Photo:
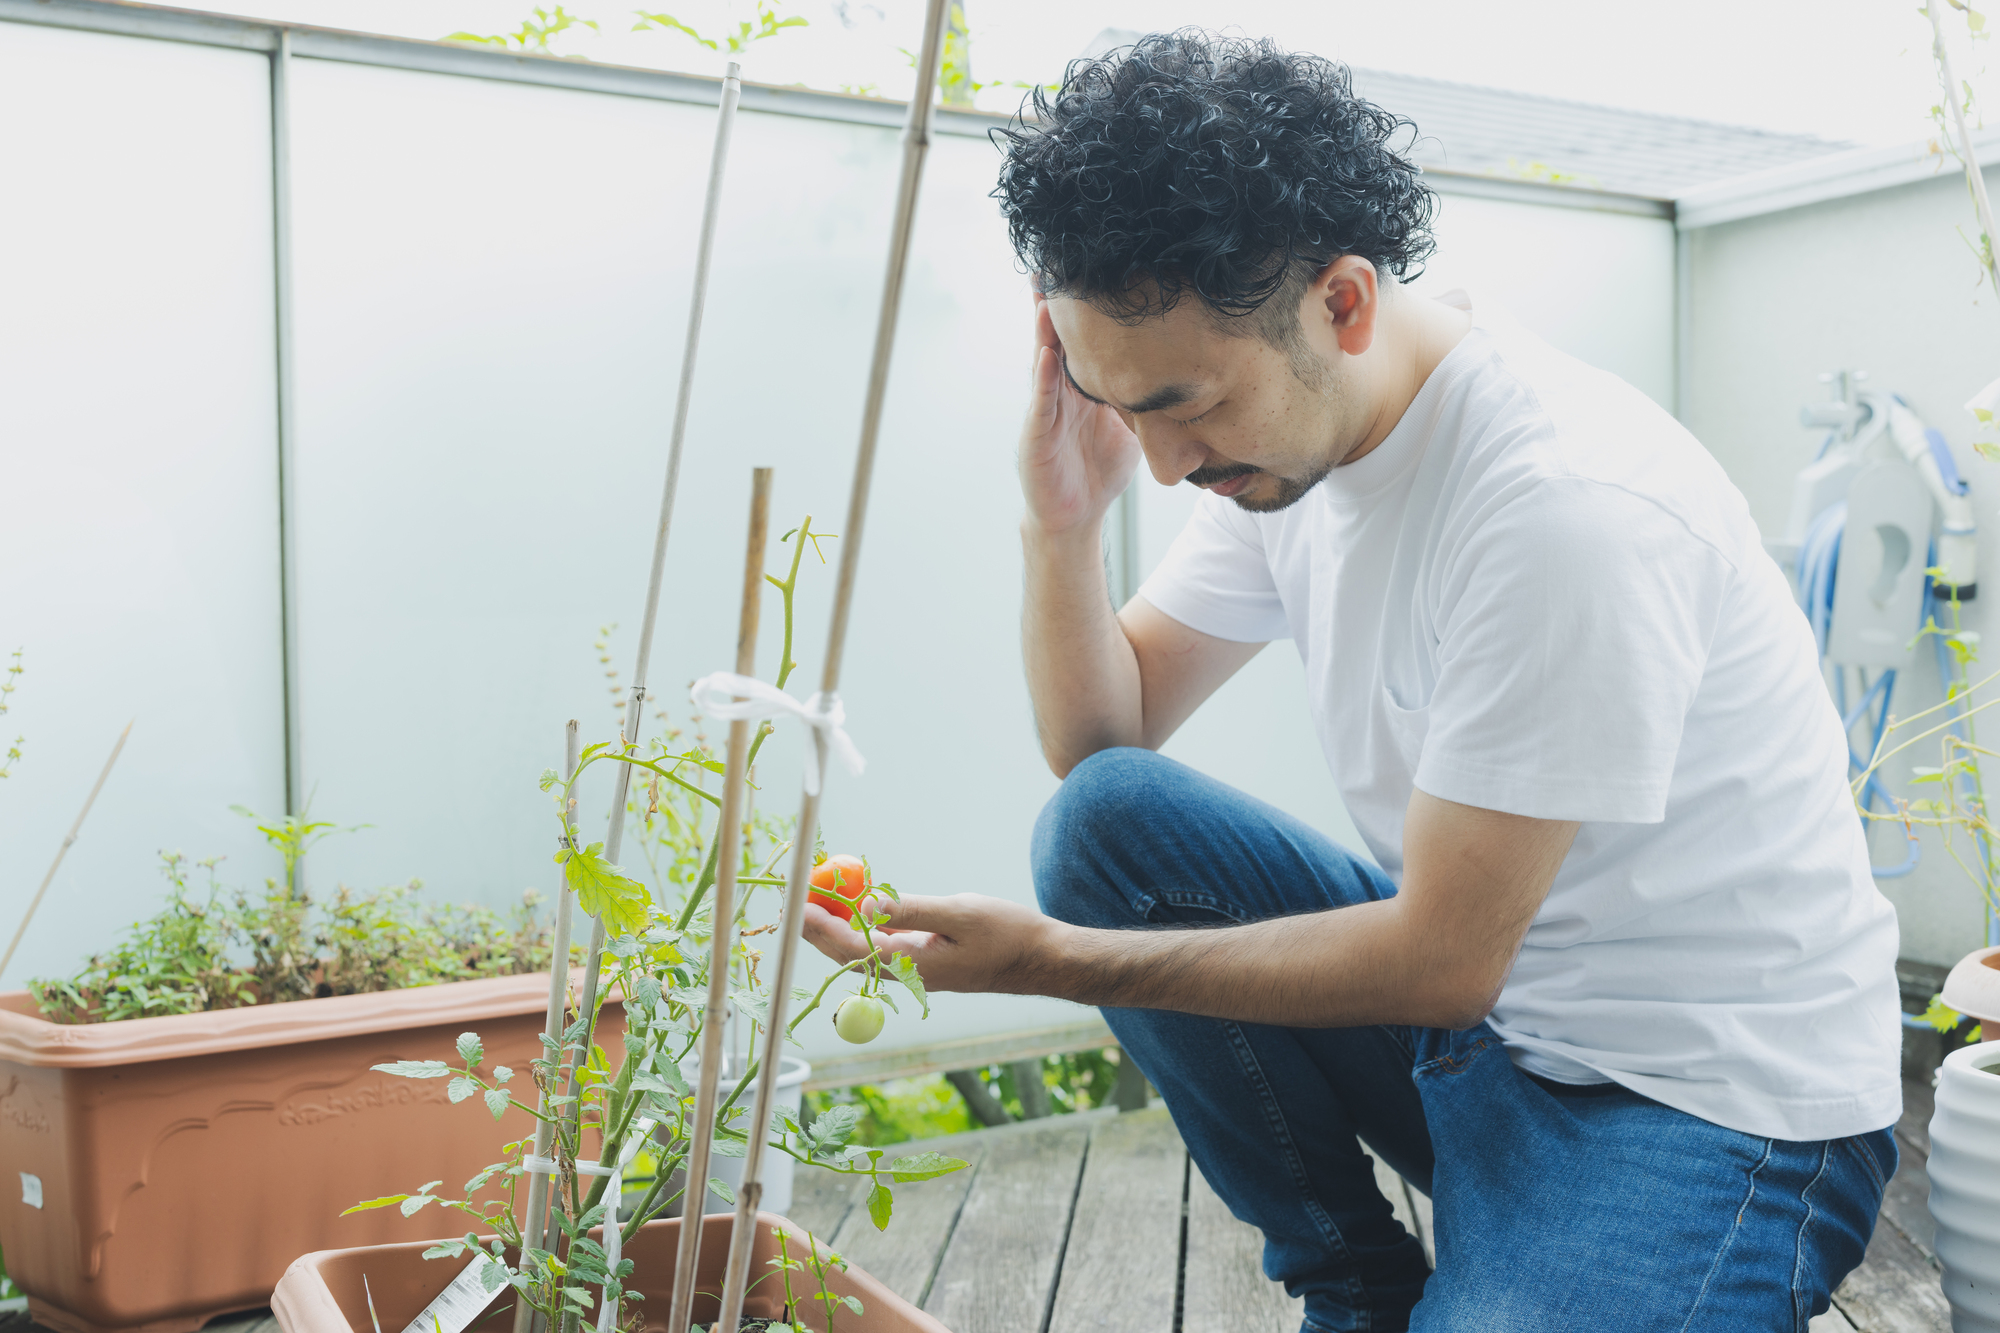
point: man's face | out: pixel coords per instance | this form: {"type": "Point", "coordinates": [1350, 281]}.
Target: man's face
{"type": "Point", "coordinates": [1229, 413]}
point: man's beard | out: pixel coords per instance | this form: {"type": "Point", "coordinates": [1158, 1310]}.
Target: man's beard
{"type": "Point", "coordinates": [1290, 490]}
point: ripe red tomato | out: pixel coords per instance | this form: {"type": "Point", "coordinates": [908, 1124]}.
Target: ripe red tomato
{"type": "Point", "coordinates": [838, 883]}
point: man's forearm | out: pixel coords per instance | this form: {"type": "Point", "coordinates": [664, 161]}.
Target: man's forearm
{"type": "Point", "coordinates": [1082, 673]}
{"type": "Point", "coordinates": [1343, 968]}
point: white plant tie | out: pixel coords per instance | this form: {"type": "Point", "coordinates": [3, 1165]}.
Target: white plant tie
{"type": "Point", "coordinates": [731, 698]}
{"type": "Point", "coordinates": [614, 1194]}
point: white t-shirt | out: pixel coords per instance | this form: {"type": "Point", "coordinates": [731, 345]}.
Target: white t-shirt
{"type": "Point", "coordinates": [1541, 595]}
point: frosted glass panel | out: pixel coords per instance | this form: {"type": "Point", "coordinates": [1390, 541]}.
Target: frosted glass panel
{"type": "Point", "coordinates": [492, 284]}
{"type": "Point", "coordinates": [1599, 286]}
{"type": "Point", "coordinates": [138, 550]}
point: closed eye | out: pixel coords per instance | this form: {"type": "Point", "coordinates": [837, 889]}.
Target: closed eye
{"type": "Point", "coordinates": [1192, 420]}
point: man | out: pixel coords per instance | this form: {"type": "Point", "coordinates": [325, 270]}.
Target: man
{"type": "Point", "coordinates": [1617, 989]}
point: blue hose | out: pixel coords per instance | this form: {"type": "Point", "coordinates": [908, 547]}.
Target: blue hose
{"type": "Point", "coordinates": [1819, 563]}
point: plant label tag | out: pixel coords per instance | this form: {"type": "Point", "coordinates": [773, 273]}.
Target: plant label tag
{"type": "Point", "coordinates": [31, 1190]}
{"type": "Point", "coordinates": [460, 1303]}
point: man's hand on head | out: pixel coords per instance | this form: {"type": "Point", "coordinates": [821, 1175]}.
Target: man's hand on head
{"type": "Point", "coordinates": [966, 942]}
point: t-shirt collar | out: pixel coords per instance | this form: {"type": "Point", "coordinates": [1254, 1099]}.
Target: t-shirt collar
{"type": "Point", "coordinates": [1407, 439]}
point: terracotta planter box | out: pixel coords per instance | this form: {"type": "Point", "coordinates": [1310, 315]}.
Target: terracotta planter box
{"type": "Point", "coordinates": [322, 1293]}
{"type": "Point", "coordinates": [171, 1168]}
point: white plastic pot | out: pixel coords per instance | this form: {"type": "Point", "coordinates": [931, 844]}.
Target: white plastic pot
{"type": "Point", "coordinates": [777, 1170]}
{"type": "Point", "coordinates": [1964, 1163]}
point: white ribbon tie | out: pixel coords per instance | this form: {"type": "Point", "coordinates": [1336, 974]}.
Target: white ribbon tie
{"type": "Point", "coordinates": [733, 698]}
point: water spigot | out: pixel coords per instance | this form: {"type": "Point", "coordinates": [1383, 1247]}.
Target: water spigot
{"type": "Point", "coordinates": [1844, 413]}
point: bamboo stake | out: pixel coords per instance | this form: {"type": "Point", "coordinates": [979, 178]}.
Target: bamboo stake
{"type": "Point", "coordinates": [614, 836]}
{"type": "Point", "coordinates": [63, 850]}
{"type": "Point", "coordinates": [723, 912]}
{"type": "Point", "coordinates": [525, 1319]}
{"type": "Point", "coordinates": [916, 141]}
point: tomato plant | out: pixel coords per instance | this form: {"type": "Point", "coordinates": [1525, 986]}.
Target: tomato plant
{"type": "Point", "coordinates": [656, 958]}
{"type": "Point", "coordinates": [858, 1019]}
{"type": "Point", "coordinates": [838, 882]}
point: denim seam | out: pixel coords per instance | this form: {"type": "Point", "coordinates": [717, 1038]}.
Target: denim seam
{"type": "Point", "coordinates": [1274, 1116]}
{"type": "Point", "coordinates": [1450, 1063]}
{"type": "Point", "coordinates": [1801, 1302]}
{"type": "Point", "coordinates": [1730, 1239]}
{"type": "Point", "coordinates": [1207, 902]}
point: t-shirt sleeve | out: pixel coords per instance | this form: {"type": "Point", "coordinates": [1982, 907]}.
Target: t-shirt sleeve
{"type": "Point", "coordinates": [1215, 577]}
{"type": "Point", "coordinates": [1574, 627]}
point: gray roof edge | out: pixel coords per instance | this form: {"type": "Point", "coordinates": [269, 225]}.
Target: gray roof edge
{"type": "Point", "coordinates": [1820, 180]}
{"type": "Point", "coordinates": [1785, 137]}
{"type": "Point", "coordinates": [198, 27]}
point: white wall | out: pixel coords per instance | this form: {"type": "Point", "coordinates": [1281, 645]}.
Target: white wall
{"type": "Point", "coordinates": [138, 520]}
{"type": "Point", "coordinates": [491, 285]}
{"type": "Point", "coordinates": [1879, 282]}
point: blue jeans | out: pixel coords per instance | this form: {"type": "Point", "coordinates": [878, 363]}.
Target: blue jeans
{"type": "Point", "coordinates": [1586, 1209]}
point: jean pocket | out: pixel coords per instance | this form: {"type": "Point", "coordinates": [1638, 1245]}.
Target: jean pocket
{"type": "Point", "coordinates": [1877, 1153]}
{"type": "Point", "coordinates": [1444, 1052]}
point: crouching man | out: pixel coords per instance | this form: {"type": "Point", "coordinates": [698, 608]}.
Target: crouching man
{"type": "Point", "coordinates": [1617, 988]}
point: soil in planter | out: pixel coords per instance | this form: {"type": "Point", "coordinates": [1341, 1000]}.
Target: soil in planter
{"type": "Point", "coordinates": [190, 957]}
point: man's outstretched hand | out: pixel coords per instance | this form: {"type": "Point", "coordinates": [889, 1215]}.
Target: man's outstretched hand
{"type": "Point", "coordinates": [967, 942]}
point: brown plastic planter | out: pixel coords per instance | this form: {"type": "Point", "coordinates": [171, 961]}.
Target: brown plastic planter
{"type": "Point", "coordinates": [182, 1163]}
{"type": "Point", "coordinates": [322, 1293]}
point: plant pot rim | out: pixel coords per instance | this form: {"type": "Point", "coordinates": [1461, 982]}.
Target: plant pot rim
{"type": "Point", "coordinates": [304, 1303]}
{"type": "Point", "coordinates": [1973, 985]}
{"type": "Point", "coordinates": [1979, 1060]}
{"type": "Point", "coordinates": [26, 1038]}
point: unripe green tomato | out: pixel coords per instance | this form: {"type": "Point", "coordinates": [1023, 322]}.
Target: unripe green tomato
{"type": "Point", "coordinates": [858, 1019]}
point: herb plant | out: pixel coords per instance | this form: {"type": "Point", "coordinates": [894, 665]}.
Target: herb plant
{"type": "Point", "coordinates": [655, 958]}
{"type": "Point", "coordinates": [1956, 807]}
{"type": "Point", "coordinates": [212, 948]}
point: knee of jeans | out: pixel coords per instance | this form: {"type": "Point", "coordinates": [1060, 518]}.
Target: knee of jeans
{"type": "Point", "coordinates": [1085, 817]}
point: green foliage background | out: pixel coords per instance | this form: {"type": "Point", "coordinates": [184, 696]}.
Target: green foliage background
{"type": "Point", "coordinates": [907, 1109]}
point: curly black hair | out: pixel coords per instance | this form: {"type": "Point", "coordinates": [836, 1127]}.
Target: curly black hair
{"type": "Point", "coordinates": [1190, 162]}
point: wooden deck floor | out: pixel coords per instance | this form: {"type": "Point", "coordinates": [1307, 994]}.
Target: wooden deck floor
{"type": "Point", "coordinates": [1095, 1223]}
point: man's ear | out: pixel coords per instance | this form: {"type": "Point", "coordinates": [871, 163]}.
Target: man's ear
{"type": "Point", "coordinates": [1348, 292]}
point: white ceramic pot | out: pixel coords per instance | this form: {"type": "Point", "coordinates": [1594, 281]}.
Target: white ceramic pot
{"type": "Point", "coordinates": [777, 1167]}
{"type": "Point", "coordinates": [1973, 988]}
{"type": "Point", "coordinates": [1965, 1184]}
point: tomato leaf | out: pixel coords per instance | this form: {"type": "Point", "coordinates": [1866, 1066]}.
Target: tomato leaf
{"type": "Point", "coordinates": [382, 1202]}
{"type": "Point", "coordinates": [497, 1101]}
{"type": "Point", "coordinates": [469, 1049]}
{"type": "Point", "coordinates": [925, 1166]}
{"type": "Point", "coordinates": [416, 1069]}
{"type": "Point", "coordinates": [905, 971]}
{"type": "Point", "coordinates": [880, 1202]}
{"type": "Point", "coordinates": [604, 890]}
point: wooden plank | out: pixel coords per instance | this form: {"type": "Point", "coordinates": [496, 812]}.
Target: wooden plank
{"type": "Point", "coordinates": [1000, 1265]}
{"type": "Point", "coordinates": [905, 1255]}
{"type": "Point", "coordinates": [1394, 1190]}
{"type": "Point", "coordinates": [1119, 1271]}
{"type": "Point", "coordinates": [821, 1200]}
{"type": "Point", "coordinates": [1420, 1204]}
{"type": "Point", "coordinates": [1896, 1290]}
{"type": "Point", "coordinates": [249, 1321]}
{"type": "Point", "coordinates": [1833, 1321]}
{"type": "Point", "coordinates": [1914, 1128]}
{"type": "Point", "coordinates": [1226, 1290]}
{"type": "Point", "coordinates": [1906, 1204]}
{"type": "Point", "coordinates": [964, 1053]}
